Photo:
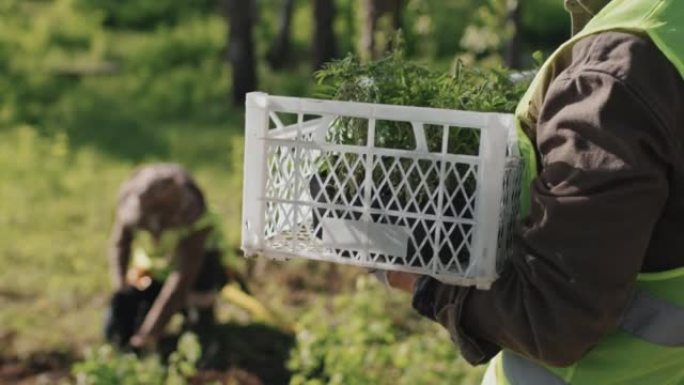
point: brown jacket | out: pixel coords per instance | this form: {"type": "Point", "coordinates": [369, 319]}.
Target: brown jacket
{"type": "Point", "coordinates": [155, 198]}
{"type": "Point", "coordinates": [608, 203]}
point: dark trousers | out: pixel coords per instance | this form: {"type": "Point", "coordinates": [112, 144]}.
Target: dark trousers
{"type": "Point", "coordinates": [129, 306]}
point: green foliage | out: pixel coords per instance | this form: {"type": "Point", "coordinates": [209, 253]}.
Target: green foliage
{"type": "Point", "coordinates": [176, 72]}
{"type": "Point", "coordinates": [545, 24]}
{"type": "Point", "coordinates": [136, 14]}
{"type": "Point", "coordinates": [371, 336]}
{"type": "Point", "coordinates": [56, 212]}
{"type": "Point", "coordinates": [182, 362]}
{"type": "Point", "coordinates": [104, 366]}
{"type": "Point", "coordinates": [489, 29]}
{"type": "Point", "coordinates": [34, 46]}
{"type": "Point", "coordinates": [395, 80]}
{"type": "Point", "coordinates": [433, 28]}
{"type": "Point", "coordinates": [50, 52]}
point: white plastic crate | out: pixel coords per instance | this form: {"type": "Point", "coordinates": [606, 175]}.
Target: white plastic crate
{"type": "Point", "coordinates": [323, 181]}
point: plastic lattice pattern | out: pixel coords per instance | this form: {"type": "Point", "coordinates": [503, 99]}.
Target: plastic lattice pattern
{"type": "Point", "coordinates": [413, 189]}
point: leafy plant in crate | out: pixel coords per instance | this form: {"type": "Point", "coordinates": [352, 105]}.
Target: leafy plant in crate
{"type": "Point", "coordinates": [403, 184]}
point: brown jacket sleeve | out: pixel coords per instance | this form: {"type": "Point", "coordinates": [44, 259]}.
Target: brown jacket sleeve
{"type": "Point", "coordinates": [606, 151]}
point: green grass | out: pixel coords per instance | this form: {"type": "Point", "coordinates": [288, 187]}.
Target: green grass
{"type": "Point", "coordinates": [56, 206]}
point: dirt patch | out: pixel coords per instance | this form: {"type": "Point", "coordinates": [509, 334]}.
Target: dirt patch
{"type": "Point", "coordinates": [246, 354]}
{"type": "Point", "coordinates": [229, 377]}
{"type": "Point", "coordinates": [251, 354]}
{"type": "Point", "coordinates": [52, 366]}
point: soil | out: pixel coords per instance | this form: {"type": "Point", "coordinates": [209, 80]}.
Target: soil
{"type": "Point", "coordinates": [245, 354]}
{"type": "Point", "coordinates": [252, 354]}
{"type": "Point", "coordinates": [39, 367]}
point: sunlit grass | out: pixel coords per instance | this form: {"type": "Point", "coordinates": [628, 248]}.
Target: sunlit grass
{"type": "Point", "coordinates": [56, 207]}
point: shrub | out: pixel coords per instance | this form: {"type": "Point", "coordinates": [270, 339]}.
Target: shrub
{"type": "Point", "coordinates": [394, 80]}
{"type": "Point", "coordinates": [35, 45]}
{"type": "Point", "coordinates": [104, 366]}
{"type": "Point", "coordinates": [371, 336]}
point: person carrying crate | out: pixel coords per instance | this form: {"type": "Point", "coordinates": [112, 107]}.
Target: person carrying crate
{"type": "Point", "coordinates": [594, 293]}
{"type": "Point", "coordinates": [166, 256]}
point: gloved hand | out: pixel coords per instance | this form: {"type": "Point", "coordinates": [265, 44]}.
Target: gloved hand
{"type": "Point", "coordinates": [138, 278]}
{"type": "Point", "coordinates": [396, 279]}
{"type": "Point", "coordinates": [142, 341]}
{"type": "Point", "coordinates": [402, 280]}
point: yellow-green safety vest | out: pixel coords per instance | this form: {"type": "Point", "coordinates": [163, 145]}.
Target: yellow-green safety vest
{"type": "Point", "coordinates": [157, 257]}
{"type": "Point", "coordinates": [647, 348]}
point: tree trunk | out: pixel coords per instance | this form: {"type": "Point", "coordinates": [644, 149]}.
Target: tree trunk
{"type": "Point", "coordinates": [397, 21]}
{"type": "Point", "coordinates": [279, 54]}
{"type": "Point", "coordinates": [373, 10]}
{"type": "Point", "coordinates": [324, 42]}
{"type": "Point", "coordinates": [370, 22]}
{"type": "Point", "coordinates": [513, 46]}
{"type": "Point", "coordinates": [241, 14]}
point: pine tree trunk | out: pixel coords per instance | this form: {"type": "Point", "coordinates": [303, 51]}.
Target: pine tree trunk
{"type": "Point", "coordinates": [241, 14]}
{"type": "Point", "coordinates": [370, 22]}
{"type": "Point", "coordinates": [373, 10]}
{"type": "Point", "coordinates": [513, 46]}
{"type": "Point", "coordinates": [279, 54]}
{"type": "Point", "coordinates": [397, 21]}
{"type": "Point", "coordinates": [324, 41]}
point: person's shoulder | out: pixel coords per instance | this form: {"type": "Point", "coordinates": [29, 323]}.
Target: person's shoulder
{"type": "Point", "coordinates": [633, 60]}
{"type": "Point", "coordinates": [155, 176]}
{"type": "Point", "coordinates": [160, 186]}
{"type": "Point", "coordinates": [628, 56]}
{"type": "Point", "coordinates": [150, 173]}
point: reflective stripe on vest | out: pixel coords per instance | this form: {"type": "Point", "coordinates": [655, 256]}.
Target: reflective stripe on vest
{"type": "Point", "coordinates": [522, 371]}
{"type": "Point", "coordinates": [651, 319]}
{"type": "Point", "coordinates": [654, 320]}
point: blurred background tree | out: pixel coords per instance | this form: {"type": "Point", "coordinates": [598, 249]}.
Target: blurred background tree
{"type": "Point", "coordinates": [324, 46]}
{"type": "Point", "coordinates": [279, 52]}
{"type": "Point", "coordinates": [91, 88]}
{"type": "Point", "coordinates": [241, 47]}
{"type": "Point", "coordinates": [375, 12]}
